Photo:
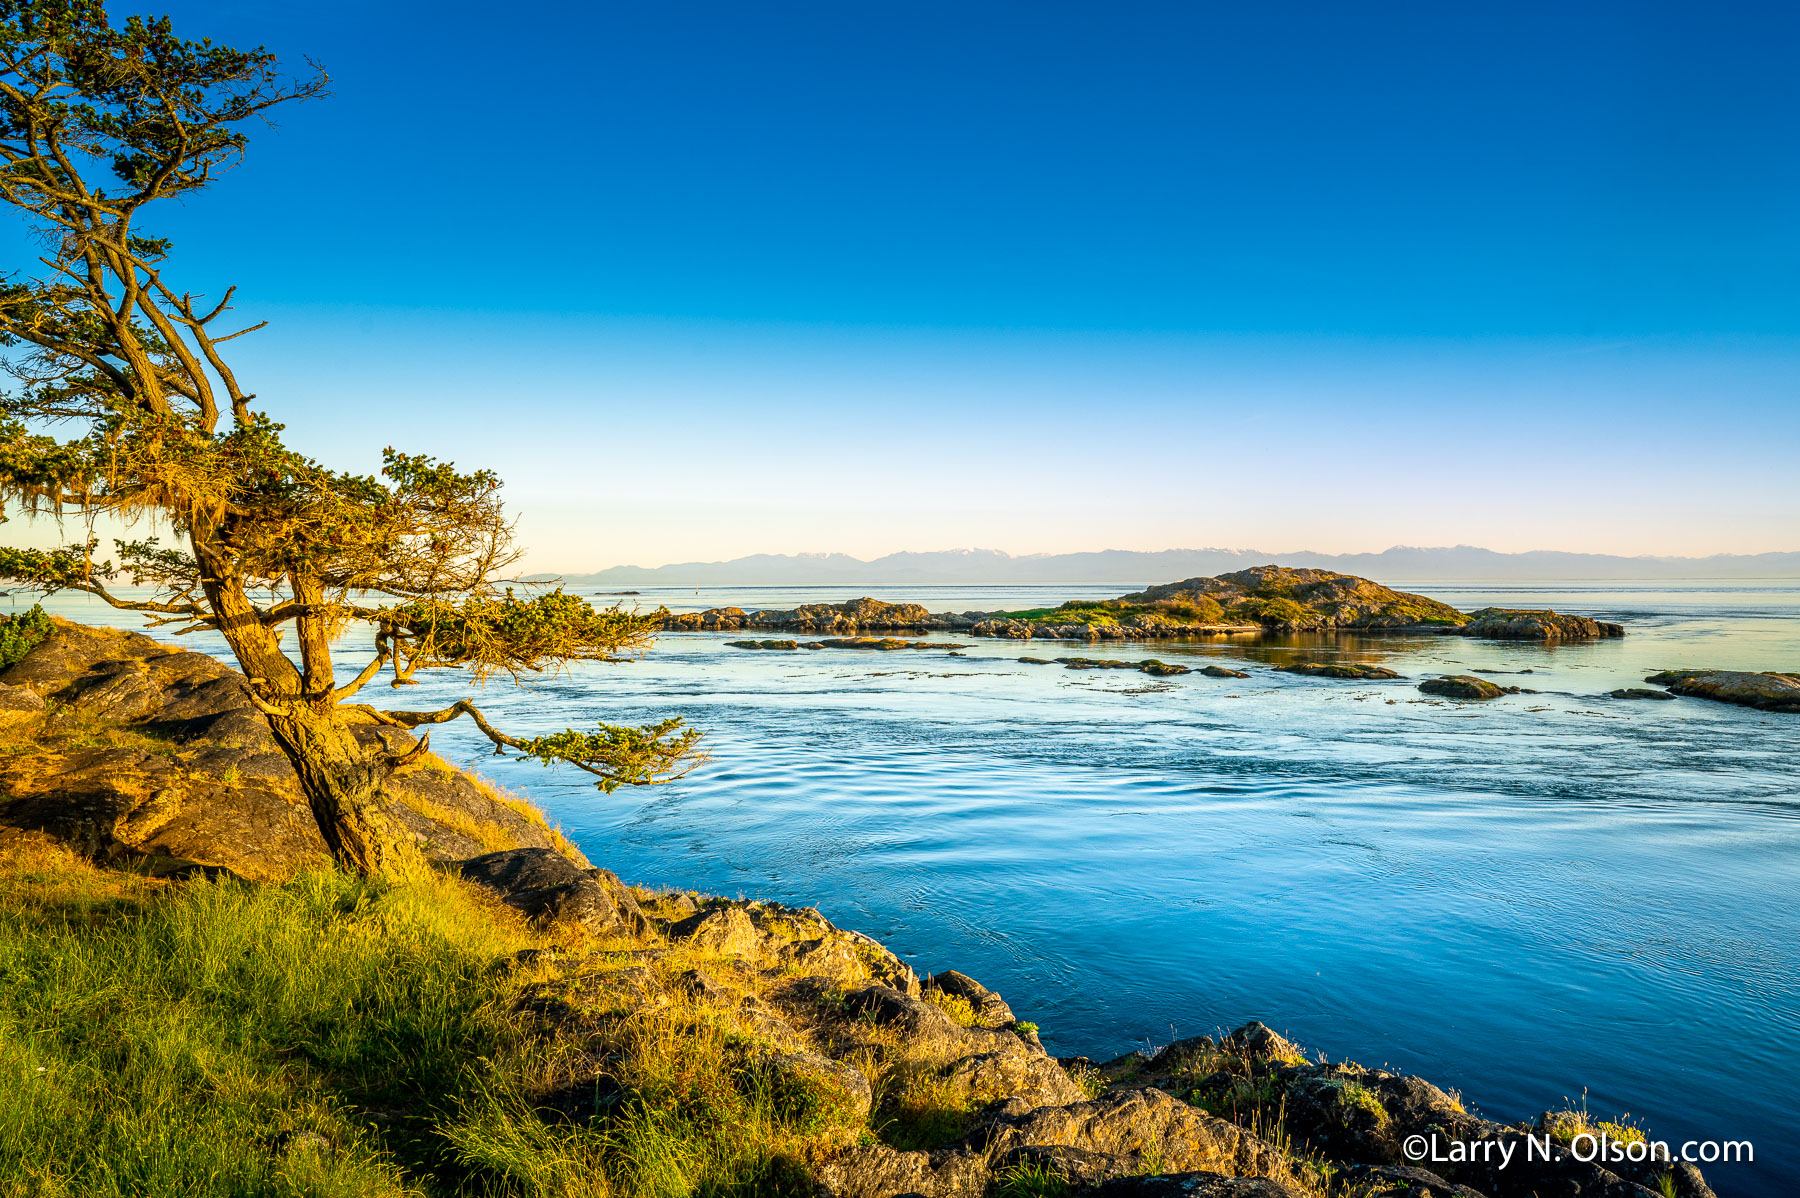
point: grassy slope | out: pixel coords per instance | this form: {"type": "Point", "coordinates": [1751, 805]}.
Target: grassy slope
{"type": "Point", "coordinates": [327, 1036]}
{"type": "Point", "coordinates": [161, 1037]}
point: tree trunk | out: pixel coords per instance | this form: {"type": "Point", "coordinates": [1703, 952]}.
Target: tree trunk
{"type": "Point", "coordinates": [342, 782]}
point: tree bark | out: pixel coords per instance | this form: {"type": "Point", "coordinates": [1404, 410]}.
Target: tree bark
{"type": "Point", "coordinates": [342, 782]}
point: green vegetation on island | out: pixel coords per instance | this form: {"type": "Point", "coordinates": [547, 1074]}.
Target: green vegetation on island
{"type": "Point", "coordinates": [1269, 597]}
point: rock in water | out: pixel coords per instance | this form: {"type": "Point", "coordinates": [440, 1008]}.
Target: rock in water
{"type": "Point", "coordinates": [1320, 669]}
{"type": "Point", "coordinates": [1639, 692]}
{"type": "Point", "coordinates": [1149, 666]}
{"type": "Point", "coordinates": [1512, 624]}
{"type": "Point", "coordinates": [1461, 686]}
{"type": "Point", "coordinates": [1768, 692]}
{"type": "Point", "coordinates": [1223, 672]}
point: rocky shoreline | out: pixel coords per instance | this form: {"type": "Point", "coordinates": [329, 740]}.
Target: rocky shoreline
{"type": "Point", "coordinates": [1194, 1117]}
{"type": "Point", "coordinates": [1267, 599]}
{"type": "Point", "coordinates": [132, 752]}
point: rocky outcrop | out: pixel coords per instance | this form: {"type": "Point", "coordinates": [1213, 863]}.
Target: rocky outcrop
{"type": "Point", "coordinates": [1766, 692]}
{"type": "Point", "coordinates": [1510, 624]}
{"type": "Point", "coordinates": [127, 748]}
{"type": "Point", "coordinates": [1339, 669]}
{"type": "Point", "coordinates": [1282, 599]}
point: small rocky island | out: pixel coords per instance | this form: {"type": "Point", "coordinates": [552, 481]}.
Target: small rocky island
{"type": "Point", "coordinates": [1265, 599]}
{"type": "Point", "coordinates": [880, 1083]}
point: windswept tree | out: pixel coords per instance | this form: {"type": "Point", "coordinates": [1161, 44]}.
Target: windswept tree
{"type": "Point", "coordinates": [126, 406]}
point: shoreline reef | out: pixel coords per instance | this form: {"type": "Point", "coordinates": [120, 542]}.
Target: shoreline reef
{"type": "Point", "coordinates": [1258, 601]}
{"type": "Point", "coordinates": [180, 968]}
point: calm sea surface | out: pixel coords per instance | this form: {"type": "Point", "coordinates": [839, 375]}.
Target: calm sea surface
{"type": "Point", "coordinates": [1539, 900]}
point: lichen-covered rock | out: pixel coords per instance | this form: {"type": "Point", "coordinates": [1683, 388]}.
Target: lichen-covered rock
{"type": "Point", "coordinates": [1767, 692]}
{"type": "Point", "coordinates": [1461, 686]}
{"type": "Point", "coordinates": [987, 1077]}
{"type": "Point", "coordinates": [823, 957]}
{"type": "Point", "coordinates": [1512, 624]}
{"type": "Point", "coordinates": [1152, 1132]}
{"type": "Point", "coordinates": [725, 930]}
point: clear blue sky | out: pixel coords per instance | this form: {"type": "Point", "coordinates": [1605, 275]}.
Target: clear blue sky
{"type": "Point", "coordinates": [785, 277]}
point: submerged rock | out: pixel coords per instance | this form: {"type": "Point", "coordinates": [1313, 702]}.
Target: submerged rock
{"type": "Point", "coordinates": [1639, 692]}
{"type": "Point", "coordinates": [782, 645]}
{"type": "Point", "coordinates": [885, 643]}
{"type": "Point", "coordinates": [1463, 686]}
{"type": "Point", "coordinates": [1513, 624]}
{"type": "Point", "coordinates": [1321, 669]}
{"type": "Point", "coordinates": [1768, 692]}
{"type": "Point", "coordinates": [1223, 672]}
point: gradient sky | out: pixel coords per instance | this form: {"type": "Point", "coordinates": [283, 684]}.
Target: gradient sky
{"type": "Point", "coordinates": [711, 279]}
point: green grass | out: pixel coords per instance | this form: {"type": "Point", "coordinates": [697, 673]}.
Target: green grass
{"type": "Point", "coordinates": [329, 1036]}
{"type": "Point", "coordinates": [1354, 1096]}
{"type": "Point", "coordinates": [160, 1040]}
{"type": "Point", "coordinates": [1031, 1181]}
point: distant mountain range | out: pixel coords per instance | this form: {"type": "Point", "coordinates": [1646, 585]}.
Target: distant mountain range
{"type": "Point", "coordinates": [1130, 569]}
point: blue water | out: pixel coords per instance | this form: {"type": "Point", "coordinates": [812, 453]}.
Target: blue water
{"type": "Point", "coordinates": [1548, 898]}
